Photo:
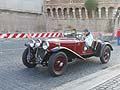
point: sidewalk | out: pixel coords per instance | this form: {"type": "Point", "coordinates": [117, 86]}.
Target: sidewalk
{"type": "Point", "coordinates": [108, 79]}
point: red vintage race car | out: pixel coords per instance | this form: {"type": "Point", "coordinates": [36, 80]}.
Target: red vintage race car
{"type": "Point", "coordinates": [56, 53]}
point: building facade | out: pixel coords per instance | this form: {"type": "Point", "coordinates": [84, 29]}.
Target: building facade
{"type": "Point", "coordinates": [65, 14]}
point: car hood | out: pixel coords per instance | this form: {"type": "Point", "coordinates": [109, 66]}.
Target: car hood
{"type": "Point", "coordinates": [61, 40]}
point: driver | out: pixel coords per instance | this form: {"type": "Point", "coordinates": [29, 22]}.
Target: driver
{"type": "Point", "coordinates": [88, 37]}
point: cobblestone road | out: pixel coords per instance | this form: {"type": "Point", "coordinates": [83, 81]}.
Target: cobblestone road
{"type": "Point", "coordinates": [15, 76]}
{"type": "Point", "coordinates": [112, 84]}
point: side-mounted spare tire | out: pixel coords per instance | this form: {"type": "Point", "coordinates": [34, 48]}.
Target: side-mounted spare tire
{"type": "Point", "coordinates": [57, 63]}
{"type": "Point", "coordinates": [24, 60]}
{"type": "Point", "coordinates": [105, 54]}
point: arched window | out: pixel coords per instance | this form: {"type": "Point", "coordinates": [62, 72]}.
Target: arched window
{"type": "Point", "coordinates": [48, 12]}
{"type": "Point", "coordinates": [83, 13]}
{"type": "Point", "coordinates": [71, 13]}
{"type": "Point", "coordinates": [65, 13]}
{"type": "Point", "coordinates": [89, 14]}
{"type": "Point", "coordinates": [110, 12]}
{"type": "Point", "coordinates": [96, 13]}
{"type": "Point", "coordinates": [54, 12]}
{"type": "Point", "coordinates": [119, 9]}
{"type": "Point", "coordinates": [103, 12]}
{"type": "Point", "coordinates": [59, 12]}
{"type": "Point", "coordinates": [77, 14]}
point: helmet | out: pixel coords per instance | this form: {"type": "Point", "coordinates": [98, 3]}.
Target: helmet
{"type": "Point", "coordinates": [86, 30]}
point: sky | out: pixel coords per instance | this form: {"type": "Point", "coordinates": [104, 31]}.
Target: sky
{"type": "Point", "coordinates": [22, 5]}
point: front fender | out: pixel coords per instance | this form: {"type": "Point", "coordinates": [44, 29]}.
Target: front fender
{"type": "Point", "coordinates": [107, 43]}
{"type": "Point", "coordinates": [104, 45]}
{"type": "Point", "coordinates": [100, 47]}
{"type": "Point", "coordinates": [56, 49]}
{"type": "Point", "coordinates": [67, 51]}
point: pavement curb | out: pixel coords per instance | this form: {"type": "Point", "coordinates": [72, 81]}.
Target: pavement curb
{"type": "Point", "coordinates": [91, 81]}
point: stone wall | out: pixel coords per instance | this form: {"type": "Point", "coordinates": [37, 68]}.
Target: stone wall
{"type": "Point", "coordinates": [34, 6]}
{"type": "Point", "coordinates": [73, 13]}
{"type": "Point", "coordinates": [93, 25]}
{"type": "Point", "coordinates": [60, 15]}
{"type": "Point", "coordinates": [14, 21]}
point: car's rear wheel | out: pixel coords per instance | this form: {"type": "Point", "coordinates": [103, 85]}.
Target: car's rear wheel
{"type": "Point", "coordinates": [105, 56]}
{"type": "Point", "coordinates": [57, 63]}
{"type": "Point", "coordinates": [31, 64]}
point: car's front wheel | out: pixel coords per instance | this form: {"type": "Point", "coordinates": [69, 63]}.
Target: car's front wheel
{"type": "Point", "coordinates": [57, 63]}
{"type": "Point", "coordinates": [105, 56]}
{"type": "Point", "coordinates": [25, 61]}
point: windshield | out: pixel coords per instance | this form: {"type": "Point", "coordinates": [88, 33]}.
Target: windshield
{"type": "Point", "coordinates": [73, 34]}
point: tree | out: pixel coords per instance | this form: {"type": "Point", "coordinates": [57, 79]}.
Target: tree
{"type": "Point", "coordinates": [91, 5]}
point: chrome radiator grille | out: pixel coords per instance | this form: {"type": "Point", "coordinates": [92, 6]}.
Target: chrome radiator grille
{"type": "Point", "coordinates": [40, 52]}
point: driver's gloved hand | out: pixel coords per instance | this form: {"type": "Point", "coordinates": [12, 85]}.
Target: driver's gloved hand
{"type": "Point", "coordinates": [85, 48]}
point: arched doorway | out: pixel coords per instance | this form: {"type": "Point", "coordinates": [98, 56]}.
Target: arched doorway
{"type": "Point", "coordinates": [103, 12]}
{"type": "Point", "coordinates": [96, 13]}
{"type": "Point", "coordinates": [48, 12]}
{"type": "Point", "coordinates": [110, 12]}
{"type": "Point", "coordinates": [83, 13]}
{"type": "Point", "coordinates": [77, 14]}
{"type": "Point", "coordinates": [54, 13]}
{"type": "Point", "coordinates": [65, 13]}
{"type": "Point", "coordinates": [59, 12]}
{"type": "Point", "coordinates": [71, 12]}
{"type": "Point", "coordinates": [90, 14]}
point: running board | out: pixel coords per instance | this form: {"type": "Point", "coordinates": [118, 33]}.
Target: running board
{"type": "Point", "coordinates": [59, 48]}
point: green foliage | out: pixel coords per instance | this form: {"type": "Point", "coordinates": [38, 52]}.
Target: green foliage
{"type": "Point", "coordinates": [91, 5]}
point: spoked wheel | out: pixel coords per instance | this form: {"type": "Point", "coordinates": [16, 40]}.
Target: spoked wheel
{"type": "Point", "coordinates": [28, 64]}
{"type": "Point", "coordinates": [57, 64]}
{"type": "Point", "coordinates": [106, 53]}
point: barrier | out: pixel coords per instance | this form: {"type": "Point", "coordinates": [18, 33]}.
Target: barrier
{"type": "Point", "coordinates": [96, 35]}
{"type": "Point", "coordinates": [31, 35]}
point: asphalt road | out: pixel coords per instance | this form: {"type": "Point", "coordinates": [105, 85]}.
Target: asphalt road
{"type": "Point", "coordinates": [15, 76]}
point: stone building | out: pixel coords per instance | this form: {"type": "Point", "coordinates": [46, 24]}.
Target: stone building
{"type": "Point", "coordinates": [21, 16]}
{"type": "Point", "coordinates": [65, 14]}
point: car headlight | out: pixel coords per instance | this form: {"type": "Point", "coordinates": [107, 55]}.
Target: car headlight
{"type": "Point", "coordinates": [45, 45]}
{"type": "Point", "coordinates": [38, 43]}
{"type": "Point", "coordinates": [30, 43]}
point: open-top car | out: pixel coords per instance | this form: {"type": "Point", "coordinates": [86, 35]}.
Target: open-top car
{"type": "Point", "coordinates": [56, 53]}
